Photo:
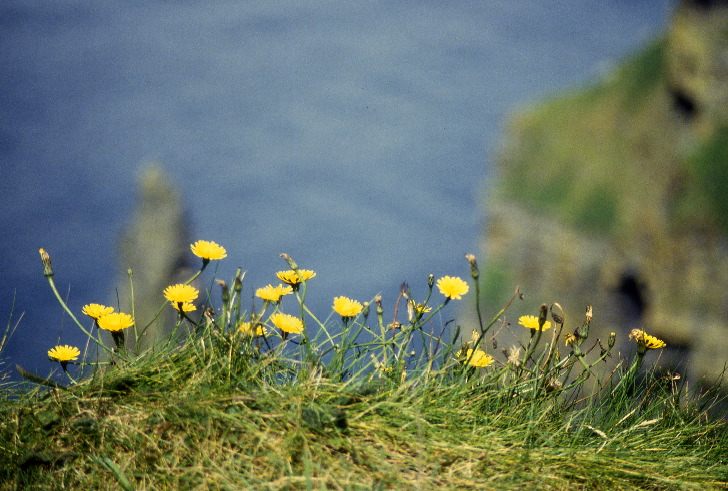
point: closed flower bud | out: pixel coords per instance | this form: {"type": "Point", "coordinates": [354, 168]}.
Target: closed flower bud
{"type": "Point", "coordinates": [612, 339]}
{"type": "Point", "coordinates": [474, 271]}
{"type": "Point", "coordinates": [542, 315]}
{"type": "Point", "coordinates": [46, 260]}
{"type": "Point", "coordinates": [557, 313]}
{"type": "Point", "coordinates": [291, 263]}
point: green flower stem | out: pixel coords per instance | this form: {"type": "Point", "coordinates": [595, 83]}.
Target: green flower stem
{"type": "Point", "coordinates": [133, 310]}
{"type": "Point", "coordinates": [98, 341]}
{"type": "Point", "coordinates": [491, 323]}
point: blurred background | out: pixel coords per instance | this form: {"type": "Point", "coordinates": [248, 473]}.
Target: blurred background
{"type": "Point", "coordinates": [360, 137]}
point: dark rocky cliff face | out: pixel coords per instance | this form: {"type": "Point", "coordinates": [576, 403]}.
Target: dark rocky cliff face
{"type": "Point", "coordinates": [617, 196]}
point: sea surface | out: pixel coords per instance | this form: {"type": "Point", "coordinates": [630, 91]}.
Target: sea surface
{"type": "Point", "coordinates": [358, 136]}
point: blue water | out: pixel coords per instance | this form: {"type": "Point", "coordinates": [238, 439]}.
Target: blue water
{"type": "Point", "coordinates": [356, 136]}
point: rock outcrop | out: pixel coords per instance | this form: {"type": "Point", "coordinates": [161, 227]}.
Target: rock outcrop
{"type": "Point", "coordinates": [155, 247]}
{"type": "Point", "coordinates": [617, 196]}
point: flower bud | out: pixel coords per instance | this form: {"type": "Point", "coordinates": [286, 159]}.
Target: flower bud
{"type": "Point", "coordinates": [430, 280]}
{"type": "Point", "coordinates": [542, 315]}
{"type": "Point", "coordinates": [238, 282]}
{"type": "Point", "coordinates": [46, 260]}
{"type": "Point", "coordinates": [291, 263]}
{"type": "Point", "coordinates": [612, 339]}
{"type": "Point", "coordinates": [557, 313]}
{"type": "Point", "coordinates": [474, 271]}
{"type": "Point", "coordinates": [225, 291]}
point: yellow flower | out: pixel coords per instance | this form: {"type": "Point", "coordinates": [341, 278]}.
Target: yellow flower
{"type": "Point", "coordinates": [287, 323]}
{"type": "Point", "coordinates": [96, 310]}
{"type": "Point", "coordinates": [181, 293]}
{"type": "Point", "coordinates": [570, 339]}
{"type": "Point", "coordinates": [246, 329]}
{"type": "Point", "coordinates": [452, 287]}
{"type": "Point", "coordinates": [272, 293]}
{"type": "Point", "coordinates": [531, 322]}
{"type": "Point", "coordinates": [645, 340]}
{"type": "Point", "coordinates": [186, 306]}
{"type": "Point", "coordinates": [116, 321]}
{"type": "Point", "coordinates": [479, 358]}
{"type": "Point", "coordinates": [346, 307]}
{"type": "Point", "coordinates": [64, 353]}
{"type": "Point", "coordinates": [208, 250]}
{"type": "Point", "coordinates": [421, 308]}
{"type": "Point", "coordinates": [292, 278]}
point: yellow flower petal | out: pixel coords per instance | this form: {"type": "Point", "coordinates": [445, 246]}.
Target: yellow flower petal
{"type": "Point", "coordinates": [272, 293]}
{"type": "Point", "coordinates": [346, 307]}
{"type": "Point", "coordinates": [246, 328]}
{"type": "Point", "coordinates": [292, 278]}
{"type": "Point", "coordinates": [646, 340]}
{"type": "Point", "coordinates": [287, 323]}
{"type": "Point", "coordinates": [479, 358]}
{"type": "Point", "coordinates": [64, 353]}
{"type": "Point", "coordinates": [186, 306]}
{"type": "Point", "coordinates": [209, 250]}
{"type": "Point", "coordinates": [181, 293]}
{"type": "Point", "coordinates": [96, 310]}
{"type": "Point", "coordinates": [452, 287]}
{"type": "Point", "coordinates": [531, 322]}
{"type": "Point", "coordinates": [116, 321]}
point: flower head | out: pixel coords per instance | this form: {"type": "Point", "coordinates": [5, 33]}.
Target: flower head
{"type": "Point", "coordinates": [478, 358]}
{"type": "Point", "coordinates": [293, 278]}
{"type": "Point", "coordinates": [346, 307]}
{"type": "Point", "coordinates": [246, 328]}
{"type": "Point", "coordinates": [531, 322]}
{"type": "Point", "coordinates": [115, 321]}
{"type": "Point", "coordinates": [646, 341]}
{"type": "Point", "coordinates": [272, 293]}
{"type": "Point", "coordinates": [181, 293]}
{"type": "Point", "coordinates": [422, 308]}
{"type": "Point", "coordinates": [208, 250]}
{"type": "Point", "coordinates": [287, 323]}
{"type": "Point", "coordinates": [452, 287]}
{"type": "Point", "coordinates": [186, 306]}
{"type": "Point", "coordinates": [63, 353]}
{"type": "Point", "coordinates": [96, 310]}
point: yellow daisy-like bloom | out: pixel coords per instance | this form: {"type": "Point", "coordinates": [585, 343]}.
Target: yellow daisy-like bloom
{"type": "Point", "coordinates": [186, 306]}
{"type": "Point", "coordinates": [208, 250]}
{"type": "Point", "coordinates": [645, 340]}
{"type": "Point", "coordinates": [421, 308]}
{"type": "Point", "coordinates": [478, 359]}
{"type": "Point", "coordinates": [531, 322]}
{"type": "Point", "coordinates": [181, 293]}
{"type": "Point", "coordinates": [346, 307]}
{"type": "Point", "coordinates": [452, 287]}
{"type": "Point", "coordinates": [272, 293]}
{"type": "Point", "coordinates": [116, 321]}
{"type": "Point", "coordinates": [96, 310]}
{"type": "Point", "coordinates": [287, 323]}
{"type": "Point", "coordinates": [246, 328]}
{"type": "Point", "coordinates": [292, 278]}
{"type": "Point", "coordinates": [64, 353]}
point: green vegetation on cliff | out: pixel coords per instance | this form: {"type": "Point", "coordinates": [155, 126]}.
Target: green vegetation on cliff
{"type": "Point", "coordinates": [267, 400]}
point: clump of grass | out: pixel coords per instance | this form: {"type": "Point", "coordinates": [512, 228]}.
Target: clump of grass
{"type": "Point", "coordinates": [279, 398]}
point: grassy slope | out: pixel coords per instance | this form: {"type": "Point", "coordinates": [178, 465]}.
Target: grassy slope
{"type": "Point", "coordinates": [192, 420]}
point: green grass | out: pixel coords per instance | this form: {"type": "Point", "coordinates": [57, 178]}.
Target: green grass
{"type": "Point", "coordinates": [358, 404]}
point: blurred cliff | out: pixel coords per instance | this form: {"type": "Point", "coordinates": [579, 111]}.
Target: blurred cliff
{"type": "Point", "coordinates": [155, 247]}
{"type": "Point", "coordinates": [617, 196]}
